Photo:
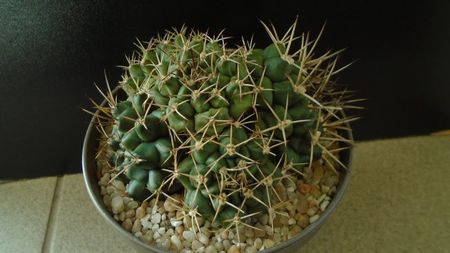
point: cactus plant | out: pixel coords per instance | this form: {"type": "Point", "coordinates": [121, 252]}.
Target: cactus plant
{"type": "Point", "coordinates": [223, 125]}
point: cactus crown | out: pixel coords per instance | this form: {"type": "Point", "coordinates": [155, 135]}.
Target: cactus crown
{"type": "Point", "coordinates": [225, 124]}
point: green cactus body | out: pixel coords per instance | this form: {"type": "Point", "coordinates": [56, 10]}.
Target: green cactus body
{"type": "Point", "coordinates": [226, 123]}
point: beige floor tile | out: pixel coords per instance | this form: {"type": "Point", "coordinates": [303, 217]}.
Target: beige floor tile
{"type": "Point", "coordinates": [24, 212]}
{"type": "Point", "coordinates": [77, 227]}
{"type": "Point", "coordinates": [397, 201]}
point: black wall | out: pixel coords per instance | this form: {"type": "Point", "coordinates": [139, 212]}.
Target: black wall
{"type": "Point", "coordinates": [53, 51]}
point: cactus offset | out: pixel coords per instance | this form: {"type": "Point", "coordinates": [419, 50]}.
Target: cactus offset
{"type": "Point", "coordinates": [223, 125]}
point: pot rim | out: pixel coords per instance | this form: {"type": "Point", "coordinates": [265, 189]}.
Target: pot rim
{"type": "Point", "coordinates": [90, 178]}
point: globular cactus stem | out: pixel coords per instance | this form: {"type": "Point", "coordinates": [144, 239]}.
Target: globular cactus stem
{"type": "Point", "coordinates": [223, 125]}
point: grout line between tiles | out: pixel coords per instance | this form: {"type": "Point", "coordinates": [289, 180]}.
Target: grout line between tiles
{"type": "Point", "coordinates": [49, 233]}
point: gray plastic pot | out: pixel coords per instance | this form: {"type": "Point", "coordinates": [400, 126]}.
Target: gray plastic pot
{"type": "Point", "coordinates": [91, 143]}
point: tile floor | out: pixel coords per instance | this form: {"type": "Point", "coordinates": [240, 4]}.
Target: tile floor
{"type": "Point", "coordinates": [397, 201]}
{"type": "Point", "coordinates": [24, 214]}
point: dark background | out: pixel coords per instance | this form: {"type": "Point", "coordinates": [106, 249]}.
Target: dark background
{"type": "Point", "coordinates": [53, 51]}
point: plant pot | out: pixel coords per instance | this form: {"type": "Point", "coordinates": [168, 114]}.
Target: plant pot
{"type": "Point", "coordinates": [91, 143]}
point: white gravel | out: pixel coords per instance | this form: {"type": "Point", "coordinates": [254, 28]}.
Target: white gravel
{"type": "Point", "coordinates": [164, 224]}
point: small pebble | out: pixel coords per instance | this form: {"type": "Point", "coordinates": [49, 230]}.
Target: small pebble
{"type": "Point", "coordinates": [321, 198]}
{"type": "Point", "coordinates": [230, 235]}
{"type": "Point", "coordinates": [250, 249]}
{"type": "Point", "coordinates": [107, 200]}
{"type": "Point", "coordinates": [284, 220]}
{"type": "Point", "coordinates": [276, 221]}
{"type": "Point", "coordinates": [187, 221]}
{"type": "Point", "coordinates": [176, 241]}
{"type": "Point", "coordinates": [315, 191]}
{"type": "Point", "coordinates": [218, 246]}
{"type": "Point", "coordinates": [312, 202]}
{"type": "Point", "coordinates": [179, 215]}
{"type": "Point", "coordinates": [210, 249]}
{"type": "Point", "coordinates": [115, 194]}
{"type": "Point", "coordinates": [260, 232]}
{"type": "Point", "coordinates": [302, 220]}
{"type": "Point", "coordinates": [332, 189]}
{"type": "Point", "coordinates": [110, 189]}
{"type": "Point", "coordinates": [165, 244]}
{"type": "Point", "coordinates": [241, 236]}
{"type": "Point", "coordinates": [249, 232]}
{"type": "Point", "coordinates": [127, 224]}
{"type": "Point", "coordinates": [204, 230]}
{"type": "Point", "coordinates": [169, 205]}
{"type": "Point", "coordinates": [324, 205]}
{"type": "Point", "coordinates": [313, 218]}
{"type": "Point", "coordinates": [147, 238]}
{"type": "Point", "coordinates": [200, 221]}
{"type": "Point", "coordinates": [289, 206]}
{"type": "Point", "coordinates": [137, 226]}
{"type": "Point", "coordinates": [103, 191]}
{"type": "Point", "coordinates": [258, 243]}
{"type": "Point", "coordinates": [317, 174]}
{"type": "Point", "coordinates": [132, 205]}
{"type": "Point", "coordinates": [305, 188]}
{"type": "Point", "coordinates": [130, 213]}
{"type": "Point", "coordinates": [311, 211]}
{"type": "Point", "coordinates": [126, 200]}
{"type": "Point", "coordinates": [263, 219]}
{"type": "Point", "coordinates": [268, 243]}
{"type": "Point", "coordinates": [292, 221]}
{"type": "Point", "coordinates": [224, 234]}
{"type": "Point", "coordinates": [122, 216]}
{"type": "Point", "coordinates": [302, 204]}
{"type": "Point", "coordinates": [104, 180]}
{"type": "Point", "coordinates": [186, 244]}
{"type": "Point", "coordinates": [226, 244]}
{"type": "Point", "coordinates": [269, 230]}
{"type": "Point", "coordinates": [175, 222]}
{"type": "Point", "coordinates": [295, 230]}
{"type": "Point", "coordinates": [203, 238]}
{"type": "Point", "coordinates": [117, 205]}
{"type": "Point", "coordinates": [234, 249]}
{"type": "Point", "coordinates": [325, 189]}
{"type": "Point", "coordinates": [285, 230]}
{"type": "Point", "coordinates": [188, 235]}
{"type": "Point", "coordinates": [156, 218]}
{"type": "Point", "coordinates": [179, 229]}
{"type": "Point", "coordinates": [196, 245]}
{"type": "Point", "coordinates": [162, 231]}
{"type": "Point", "coordinates": [140, 212]}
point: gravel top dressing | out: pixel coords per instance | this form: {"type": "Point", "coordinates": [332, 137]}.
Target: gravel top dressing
{"type": "Point", "coordinates": [166, 224]}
